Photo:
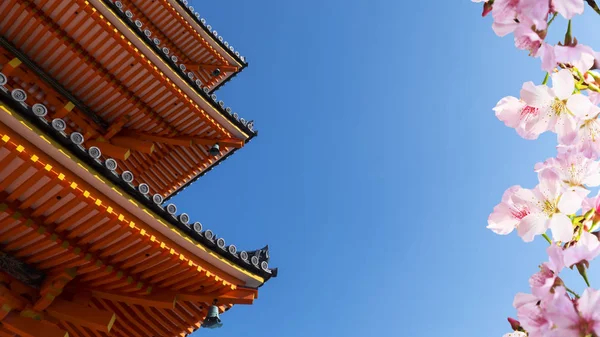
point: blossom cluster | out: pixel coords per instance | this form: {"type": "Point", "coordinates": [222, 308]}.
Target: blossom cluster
{"type": "Point", "coordinates": [561, 203]}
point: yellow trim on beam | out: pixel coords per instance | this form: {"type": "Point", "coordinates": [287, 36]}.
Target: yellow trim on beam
{"type": "Point", "coordinates": [15, 62]}
{"type": "Point", "coordinates": [146, 210]}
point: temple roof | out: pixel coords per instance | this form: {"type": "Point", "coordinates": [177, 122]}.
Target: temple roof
{"type": "Point", "coordinates": [256, 261]}
{"type": "Point", "coordinates": [179, 33]}
{"type": "Point", "coordinates": [122, 85]}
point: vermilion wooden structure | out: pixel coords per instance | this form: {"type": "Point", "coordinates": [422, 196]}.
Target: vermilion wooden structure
{"type": "Point", "coordinates": [107, 109]}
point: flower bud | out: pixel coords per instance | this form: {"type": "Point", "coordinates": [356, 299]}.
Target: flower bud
{"type": "Point", "coordinates": [487, 8]}
{"type": "Point", "coordinates": [514, 324]}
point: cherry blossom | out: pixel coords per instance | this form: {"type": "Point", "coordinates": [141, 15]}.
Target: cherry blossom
{"type": "Point", "coordinates": [504, 13]}
{"type": "Point", "coordinates": [531, 316]}
{"type": "Point", "coordinates": [586, 249]}
{"type": "Point", "coordinates": [543, 282]}
{"type": "Point", "coordinates": [516, 204]}
{"type": "Point", "coordinates": [589, 310]}
{"type": "Point", "coordinates": [526, 120]}
{"type": "Point", "coordinates": [574, 318]}
{"type": "Point", "coordinates": [570, 110]}
{"type": "Point", "coordinates": [585, 136]}
{"type": "Point", "coordinates": [573, 169]}
{"type": "Point", "coordinates": [561, 310]}
{"type": "Point", "coordinates": [580, 56]}
{"type": "Point", "coordinates": [558, 107]}
{"type": "Point", "coordinates": [552, 204]}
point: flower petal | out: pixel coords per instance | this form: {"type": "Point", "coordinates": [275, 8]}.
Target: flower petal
{"type": "Point", "coordinates": [508, 110]}
{"type": "Point", "coordinates": [581, 106]}
{"type": "Point", "coordinates": [563, 84]}
{"type": "Point", "coordinates": [561, 227]}
{"type": "Point", "coordinates": [532, 225]}
{"type": "Point", "coordinates": [570, 201]}
{"type": "Point", "coordinates": [589, 304]}
{"type": "Point", "coordinates": [568, 8]}
{"type": "Point", "coordinates": [536, 96]}
{"type": "Point", "coordinates": [546, 52]}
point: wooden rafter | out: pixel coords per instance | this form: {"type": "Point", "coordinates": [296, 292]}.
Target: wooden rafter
{"type": "Point", "coordinates": [27, 327]}
{"type": "Point", "coordinates": [185, 140]}
{"type": "Point", "coordinates": [210, 67]}
{"type": "Point", "coordinates": [92, 318]}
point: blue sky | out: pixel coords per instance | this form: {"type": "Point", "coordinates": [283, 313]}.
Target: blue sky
{"type": "Point", "coordinates": [377, 163]}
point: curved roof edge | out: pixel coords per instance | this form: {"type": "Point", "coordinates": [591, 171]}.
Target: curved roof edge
{"type": "Point", "coordinates": [163, 53]}
{"type": "Point", "coordinates": [213, 34]}
{"type": "Point", "coordinates": [255, 262]}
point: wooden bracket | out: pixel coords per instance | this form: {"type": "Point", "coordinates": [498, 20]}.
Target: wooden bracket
{"type": "Point", "coordinates": [110, 150]}
{"type": "Point", "coordinates": [237, 296]}
{"type": "Point", "coordinates": [133, 143]}
{"type": "Point", "coordinates": [52, 287]}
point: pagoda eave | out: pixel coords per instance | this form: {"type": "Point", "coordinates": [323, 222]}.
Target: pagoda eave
{"type": "Point", "coordinates": [13, 121]}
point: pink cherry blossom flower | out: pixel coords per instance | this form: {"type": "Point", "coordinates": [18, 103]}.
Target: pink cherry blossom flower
{"type": "Point", "coordinates": [534, 13]}
{"type": "Point", "coordinates": [552, 204]}
{"type": "Point", "coordinates": [516, 204]}
{"type": "Point", "coordinates": [558, 107]}
{"type": "Point", "coordinates": [526, 38]}
{"type": "Point", "coordinates": [574, 318]}
{"type": "Point", "coordinates": [504, 13]}
{"type": "Point", "coordinates": [530, 315]}
{"type": "Point", "coordinates": [568, 8]}
{"type": "Point", "coordinates": [572, 169]}
{"type": "Point", "coordinates": [589, 309]}
{"type": "Point", "coordinates": [586, 249]}
{"type": "Point", "coordinates": [524, 119]}
{"type": "Point", "coordinates": [585, 136]}
{"type": "Point", "coordinates": [543, 282]}
{"type": "Point", "coordinates": [580, 56]}
{"type": "Point", "coordinates": [560, 309]}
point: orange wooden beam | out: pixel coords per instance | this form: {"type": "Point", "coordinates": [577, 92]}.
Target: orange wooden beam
{"type": "Point", "coordinates": [110, 150]}
{"type": "Point", "coordinates": [116, 126]}
{"type": "Point", "coordinates": [227, 142]}
{"type": "Point", "coordinates": [198, 66]}
{"type": "Point", "coordinates": [6, 333]}
{"type": "Point", "coordinates": [159, 139]}
{"type": "Point", "coordinates": [78, 314]}
{"type": "Point", "coordinates": [238, 296]}
{"type": "Point", "coordinates": [53, 286]}
{"type": "Point", "coordinates": [10, 67]}
{"type": "Point", "coordinates": [159, 300]}
{"type": "Point", "coordinates": [10, 301]}
{"type": "Point", "coordinates": [133, 143]}
{"type": "Point", "coordinates": [27, 327]}
{"type": "Point", "coordinates": [186, 140]}
{"type": "Point", "coordinates": [64, 111]}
